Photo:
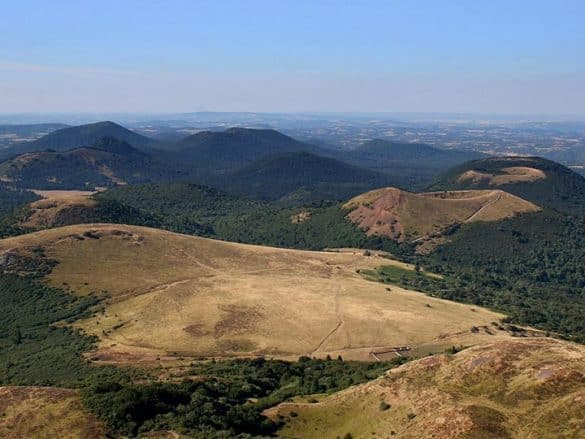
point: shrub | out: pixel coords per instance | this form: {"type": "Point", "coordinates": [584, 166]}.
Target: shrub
{"type": "Point", "coordinates": [384, 406]}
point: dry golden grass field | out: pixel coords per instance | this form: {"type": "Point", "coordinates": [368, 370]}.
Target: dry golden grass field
{"type": "Point", "coordinates": [513, 174]}
{"type": "Point", "coordinates": [173, 295]}
{"type": "Point", "coordinates": [518, 388]}
{"type": "Point", "coordinates": [403, 216]}
{"type": "Point", "coordinates": [45, 413]}
{"type": "Point", "coordinates": [57, 207]}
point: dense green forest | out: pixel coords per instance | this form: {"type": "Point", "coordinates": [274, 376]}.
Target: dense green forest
{"type": "Point", "coordinates": [11, 199]}
{"type": "Point", "coordinates": [35, 348]}
{"type": "Point", "coordinates": [530, 267]}
{"type": "Point", "coordinates": [229, 401]}
{"type": "Point", "coordinates": [278, 176]}
{"type": "Point", "coordinates": [183, 207]}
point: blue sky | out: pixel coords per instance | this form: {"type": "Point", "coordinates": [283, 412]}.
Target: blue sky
{"type": "Point", "coordinates": [170, 56]}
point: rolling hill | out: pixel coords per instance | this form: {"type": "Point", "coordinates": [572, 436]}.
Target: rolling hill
{"type": "Point", "coordinates": [218, 152]}
{"type": "Point", "coordinates": [107, 162]}
{"type": "Point", "coordinates": [494, 248]}
{"type": "Point", "coordinates": [179, 296]}
{"type": "Point", "coordinates": [78, 136]}
{"type": "Point", "coordinates": [62, 208]}
{"type": "Point", "coordinates": [405, 216]}
{"type": "Point", "coordinates": [504, 389]}
{"type": "Point", "coordinates": [199, 210]}
{"type": "Point", "coordinates": [541, 181]}
{"type": "Point", "coordinates": [416, 164]}
{"type": "Point", "coordinates": [386, 153]}
{"type": "Point", "coordinates": [178, 204]}
{"type": "Point", "coordinates": [285, 175]}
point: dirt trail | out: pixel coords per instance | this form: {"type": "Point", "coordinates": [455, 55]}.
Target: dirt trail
{"type": "Point", "coordinates": [478, 211]}
{"type": "Point", "coordinates": [152, 289]}
{"type": "Point", "coordinates": [193, 259]}
{"type": "Point", "coordinates": [339, 321]}
{"type": "Point", "coordinates": [327, 337]}
{"type": "Point", "coordinates": [467, 220]}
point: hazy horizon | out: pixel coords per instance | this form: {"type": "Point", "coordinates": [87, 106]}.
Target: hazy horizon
{"type": "Point", "coordinates": [74, 118]}
{"type": "Point", "coordinates": [485, 58]}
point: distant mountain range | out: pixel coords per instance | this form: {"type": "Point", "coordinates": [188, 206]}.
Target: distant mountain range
{"type": "Point", "coordinates": [74, 137]}
{"type": "Point", "coordinates": [107, 162]}
{"type": "Point", "coordinates": [263, 163]}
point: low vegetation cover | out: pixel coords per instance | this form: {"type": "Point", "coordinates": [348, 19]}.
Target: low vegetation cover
{"type": "Point", "coordinates": [527, 266]}
{"type": "Point", "coordinates": [415, 280]}
{"type": "Point", "coordinates": [226, 398]}
{"type": "Point", "coordinates": [514, 388]}
{"type": "Point", "coordinates": [216, 399]}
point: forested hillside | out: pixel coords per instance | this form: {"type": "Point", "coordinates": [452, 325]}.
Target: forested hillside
{"type": "Point", "coordinates": [107, 162]}
{"type": "Point", "coordinates": [416, 164]}
{"type": "Point", "coordinates": [234, 148]}
{"type": "Point", "coordinates": [12, 198]}
{"type": "Point", "coordinates": [529, 266]}
{"type": "Point", "coordinates": [281, 176]}
{"type": "Point", "coordinates": [74, 137]}
{"type": "Point", "coordinates": [545, 183]}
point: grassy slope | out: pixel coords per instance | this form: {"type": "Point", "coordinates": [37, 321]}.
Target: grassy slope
{"type": "Point", "coordinates": [516, 389]}
{"type": "Point", "coordinates": [46, 412]}
{"type": "Point", "coordinates": [174, 293]}
{"type": "Point", "coordinates": [403, 215]}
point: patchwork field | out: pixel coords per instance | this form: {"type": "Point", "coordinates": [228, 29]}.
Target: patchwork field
{"type": "Point", "coordinates": [45, 412]}
{"type": "Point", "coordinates": [172, 295]}
{"type": "Point", "coordinates": [531, 388]}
